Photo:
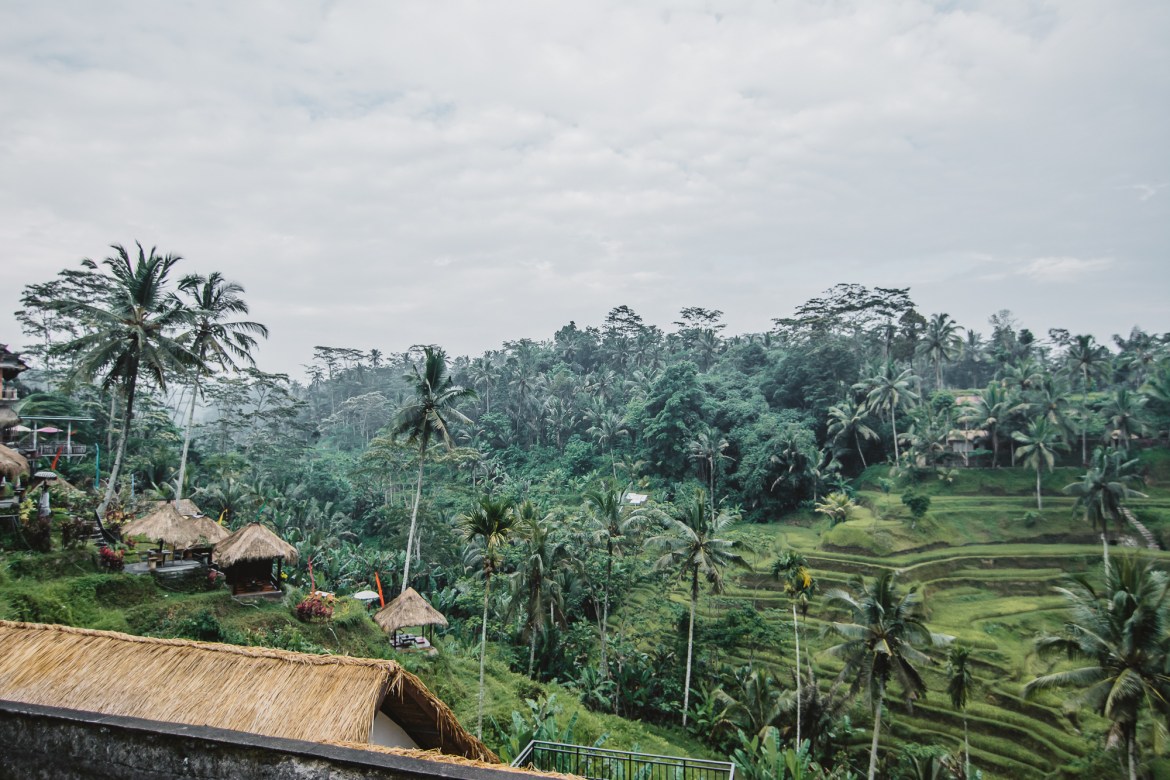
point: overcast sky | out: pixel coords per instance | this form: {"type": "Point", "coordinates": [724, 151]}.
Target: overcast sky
{"type": "Point", "coordinates": [382, 174]}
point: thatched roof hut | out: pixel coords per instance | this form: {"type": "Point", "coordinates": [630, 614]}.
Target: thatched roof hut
{"type": "Point", "coordinates": [167, 524]}
{"type": "Point", "coordinates": [275, 693]}
{"type": "Point", "coordinates": [253, 542]}
{"type": "Point", "coordinates": [408, 609]}
{"type": "Point", "coordinates": [12, 463]}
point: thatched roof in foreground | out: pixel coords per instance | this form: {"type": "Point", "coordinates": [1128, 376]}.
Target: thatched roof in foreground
{"type": "Point", "coordinates": [276, 693]}
{"type": "Point", "coordinates": [167, 524]}
{"type": "Point", "coordinates": [8, 418]}
{"type": "Point", "coordinates": [253, 542]}
{"type": "Point", "coordinates": [409, 609]}
{"type": "Point", "coordinates": [12, 463]}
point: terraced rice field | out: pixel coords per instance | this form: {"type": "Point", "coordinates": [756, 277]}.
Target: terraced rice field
{"type": "Point", "coordinates": [994, 597]}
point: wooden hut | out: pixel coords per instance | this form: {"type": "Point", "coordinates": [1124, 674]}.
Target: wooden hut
{"type": "Point", "coordinates": [191, 534]}
{"type": "Point", "coordinates": [407, 610]}
{"type": "Point", "coordinates": [264, 691]}
{"type": "Point", "coordinates": [247, 557]}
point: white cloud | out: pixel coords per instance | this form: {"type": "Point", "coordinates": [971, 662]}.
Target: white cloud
{"type": "Point", "coordinates": [1064, 269]}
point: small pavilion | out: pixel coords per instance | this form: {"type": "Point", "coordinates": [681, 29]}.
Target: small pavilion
{"type": "Point", "coordinates": [192, 535]}
{"type": "Point", "coordinates": [409, 609]}
{"type": "Point", "coordinates": [247, 558]}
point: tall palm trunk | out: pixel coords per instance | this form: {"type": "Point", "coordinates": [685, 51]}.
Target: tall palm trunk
{"type": "Point", "coordinates": [1132, 756]}
{"type": "Point", "coordinates": [1039, 503]}
{"type": "Point", "coordinates": [690, 643]}
{"type": "Point", "coordinates": [187, 440]}
{"type": "Point", "coordinates": [877, 730]}
{"type": "Point", "coordinates": [860, 454]}
{"type": "Point", "coordinates": [483, 649]}
{"type": "Point", "coordinates": [422, 451]}
{"type": "Point", "coordinates": [966, 748]}
{"type": "Point", "coordinates": [894, 426]}
{"type": "Point", "coordinates": [799, 699]}
{"type": "Point", "coordinates": [605, 609]}
{"type": "Point", "coordinates": [127, 418]}
{"type": "Point", "coordinates": [1085, 417]}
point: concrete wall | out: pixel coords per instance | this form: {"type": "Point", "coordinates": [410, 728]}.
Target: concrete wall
{"type": "Point", "coordinates": [49, 742]}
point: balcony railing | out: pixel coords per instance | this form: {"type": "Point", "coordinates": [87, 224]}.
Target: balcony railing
{"type": "Point", "coordinates": [601, 764]}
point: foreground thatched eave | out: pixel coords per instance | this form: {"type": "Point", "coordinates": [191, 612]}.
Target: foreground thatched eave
{"type": "Point", "coordinates": [263, 691]}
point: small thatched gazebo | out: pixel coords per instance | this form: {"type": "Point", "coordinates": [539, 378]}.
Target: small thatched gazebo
{"type": "Point", "coordinates": [170, 527]}
{"type": "Point", "coordinates": [184, 506]}
{"type": "Point", "coordinates": [408, 609]}
{"type": "Point", "coordinates": [12, 463]}
{"type": "Point", "coordinates": [246, 557]}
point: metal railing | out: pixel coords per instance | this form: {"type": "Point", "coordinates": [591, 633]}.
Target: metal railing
{"type": "Point", "coordinates": [598, 763]}
{"type": "Point", "coordinates": [67, 450]}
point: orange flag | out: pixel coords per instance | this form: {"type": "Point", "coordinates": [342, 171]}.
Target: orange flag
{"type": "Point", "coordinates": [381, 598]}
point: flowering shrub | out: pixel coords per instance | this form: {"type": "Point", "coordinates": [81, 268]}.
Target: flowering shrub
{"type": "Point", "coordinates": [214, 578]}
{"type": "Point", "coordinates": [315, 607]}
{"type": "Point", "coordinates": [112, 559]}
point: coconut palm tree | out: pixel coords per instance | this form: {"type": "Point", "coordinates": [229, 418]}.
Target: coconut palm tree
{"type": "Point", "coordinates": [486, 528]}
{"type": "Point", "coordinates": [610, 519]}
{"type": "Point", "coordinates": [217, 343]}
{"type": "Point", "coordinates": [1120, 630]}
{"type": "Point", "coordinates": [1089, 359]}
{"type": "Point", "coordinates": [942, 343]}
{"type": "Point", "coordinates": [425, 417]}
{"type": "Point", "coordinates": [960, 685]}
{"type": "Point", "coordinates": [791, 568]}
{"type": "Point", "coordinates": [989, 411]}
{"type": "Point", "coordinates": [847, 424]}
{"type": "Point", "coordinates": [887, 391]}
{"type": "Point", "coordinates": [882, 637]}
{"type": "Point", "coordinates": [608, 427]}
{"type": "Point", "coordinates": [708, 448]}
{"type": "Point", "coordinates": [131, 332]}
{"type": "Point", "coordinates": [1125, 415]}
{"type": "Point", "coordinates": [1038, 448]}
{"type": "Point", "coordinates": [1103, 490]}
{"type": "Point", "coordinates": [535, 578]}
{"type": "Point", "coordinates": [694, 545]}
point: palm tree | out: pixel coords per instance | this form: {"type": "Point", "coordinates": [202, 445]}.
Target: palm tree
{"type": "Point", "coordinates": [708, 448]}
{"type": "Point", "coordinates": [1103, 490]}
{"type": "Point", "coordinates": [1087, 358]}
{"type": "Point", "coordinates": [694, 545]}
{"type": "Point", "coordinates": [1038, 448]}
{"type": "Point", "coordinates": [960, 685]}
{"type": "Point", "coordinates": [880, 643]}
{"type": "Point", "coordinates": [486, 527]}
{"type": "Point", "coordinates": [847, 422]}
{"type": "Point", "coordinates": [837, 507]}
{"type": "Point", "coordinates": [130, 333]}
{"type": "Point", "coordinates": [989, 411]}
{"type": "Point", "coordinates": [214, 341]}
{"type": "Point", "coordinates": [792, 569]}
{"type": "Point", "coordinates": [607, 428]}
{"type": "Point", "coordinates": [887, 391]}
{"type": "Point", "coordinates": [1121, 632]}
{"type": "Point", "coordinates": [536, 576]}
{"type": "Point", "coordinates": [435, 396]}
{"type": "Point", "coordinates": [942, 343]}
{"type": "Point", "coordinates": [1126, 415]}
{"type": "Point", "coordinates": [612, 520]}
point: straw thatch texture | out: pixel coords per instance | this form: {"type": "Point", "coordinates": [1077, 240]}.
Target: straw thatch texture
{"type": "Point", "coordinates": [264, 691]}
{"type": "Point", "coordinates": [409, 609]}
{"type": "Point", "coordinates": [167, 524]}
{"type": "Point", "coordinates": [8, 418]}
{"type": "Point", "coordinates": [184, 506]}
{"type": "Point", "coordinates": [12, 463]}
{"type": "Point", "coordinates": [253, 542]}
{"type": "Point", "coordinates": [443, 758]}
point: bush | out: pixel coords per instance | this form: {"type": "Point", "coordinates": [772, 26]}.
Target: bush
{"type": "Point", "coordinates": [917, 503]}
{"type": "Point", "coordinates": [315, 607]}
{"type": "Point", "coordinates": [111, 559]}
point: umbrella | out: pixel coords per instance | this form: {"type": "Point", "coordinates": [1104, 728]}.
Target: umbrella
{"type": "Point", "coordinates": [48, 429]}
{"type": "Point", "coordinates": [365, 595]}
{"type": "Point", "coordinates": [22, 429]}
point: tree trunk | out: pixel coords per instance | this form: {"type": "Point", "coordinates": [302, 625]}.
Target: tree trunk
{"type": "Point", "coordinates": [894, 426]}
{"type": "Point", "coordinates": [1039, 503]}
{"type": "Point", "coordinates": [690, 644]}
{"type": "Point", "coordinates": [877, 729]}
{"type": "Point", "coordinates": [487, 589]}
{"type": "Point", "coordinates": [796, 636]}
{"type": "Point", "coordinates": [127, 417]}
{"type": "Point", "coordinates": [531, 648]}
{"type": "Point", "coordinates": [860, 454]}
{"type": "Point", "coordinates": [187, 440]}
{"type": "Point", "coordinates": [605, 609]}
{"type": "Point", "coordinates": [1132, 756]}
{"type": "Point", "coordinates": [413, 519]}
{"type": "Point", "coordinates": [966, 748]}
